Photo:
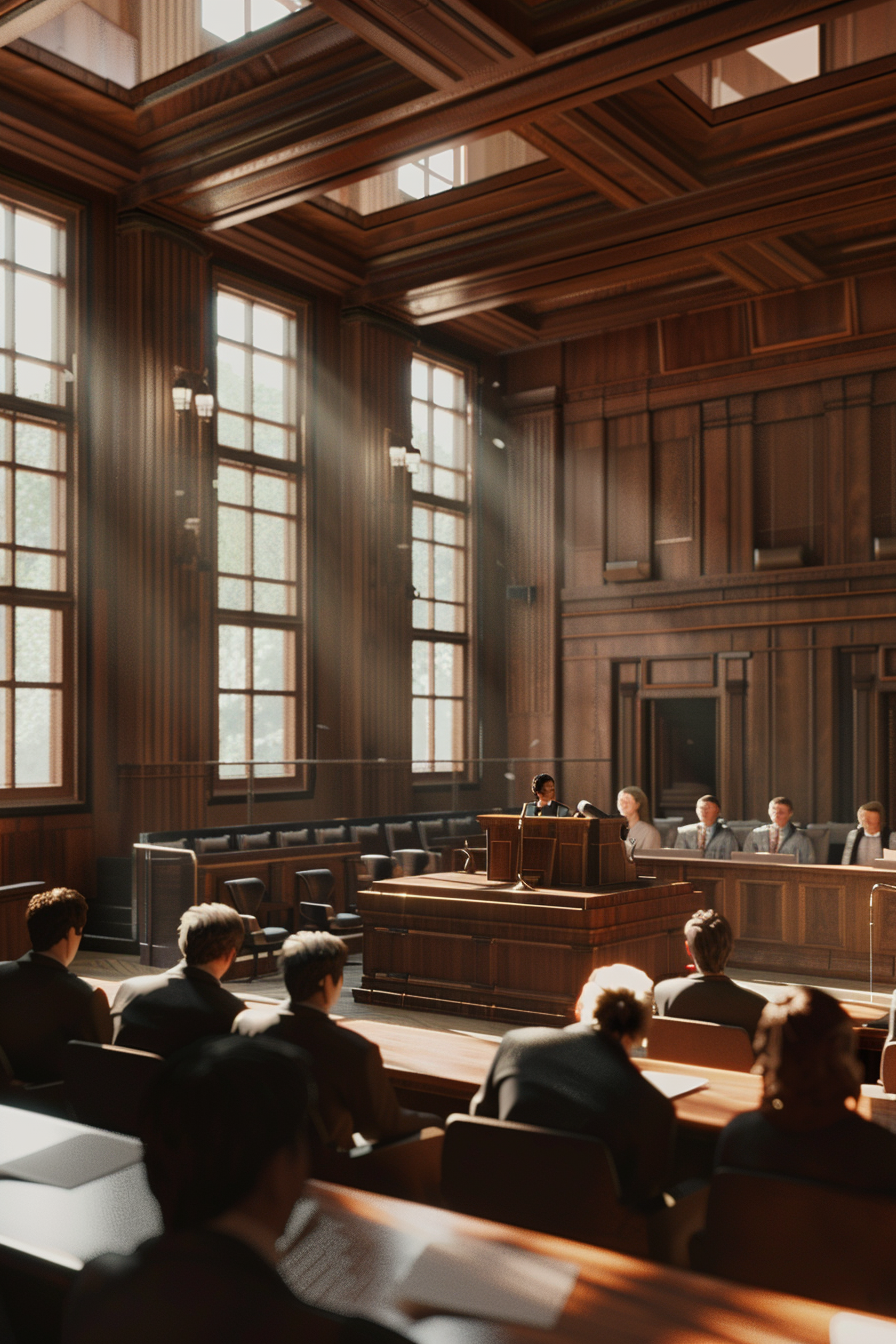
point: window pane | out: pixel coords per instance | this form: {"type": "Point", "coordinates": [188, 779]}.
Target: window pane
{"type": "Point", "coordinates": [447, 618]}
{"type": "Point", "coordinates": [5, 645]}
{"type": "Point", "coordinates": [273, 599]}
{"type": "Point", "coordinates": [444, 434]}
{"type": "Point", "coordinates": [38, 571]}
{"type": "Point", "coordinates": [35, 382]}
{"type": "Point", "coordinates": [420, 379]}
{"type": "Point", "coordinates": [233, 656]}
{"type": "Point", "coordinates": [234, 594]}
{"type": "Point", "coordinates": [232, 718]}
{"type": "Point", "coordinates": [35, 317]}
{"type": "Point", "coordinates": [224, 18]}
{"type": "Point", "coordinates": [275, 493]}
{"type": "Point", "coordinates": [268, 388]}
{"type": "Point", "coordinates": [234, 485]}
{"type": "Point", "coordinates": [269, 329]}
{"type": "Point", "coordinates": [37, 631]}
{"type": "Point", "coordinates": [273, 664]}
{"type": "Point", "coordinates": [446, 388]}
{"type": "Point", "coordinates": [5, 504]}
{"type": "Point", "coordinates": [420, 428]}
{"type": "Point", "coordinates": [445, 737]}
{"type": "Point", "coordinates": [448, 484]}
{"type": "Point", "coordinates": [411, 181]}
{"type": "Point", "coordinates": [422, 615]}
{"type": "Point", "coordinates": [421, 662]}
{"type": "Point", "coordinates": [422, 521]}
{"type": "Point", "coordinates": [232, 378]}
{"type": "Point", "coordinates": [39, 446]}
{"type": "Point", "coordinates": [446, 564]}
{"type": "Point", "coordinates": [231, 317]}
{"type": "Point", "coordinates": [420, 726]}
{"type": "Point", "coordinates": [270, 733]}
{"type": "Point", "coordinates": [273, 441]}
{"type": "Point", "coordinates": [263, 12]}
{"type": "Point", "coordinates": [443, 164]}
{"type": "Point", "coordinates": [447, 665]}
{"type": "Point", "coordinates": [38, 716]}
{"type": "Point", "coordinates": [272, 547]}
{"type": "Point", "coordinates": [35, 243]}
{"type": "Point", "coordinates": [233, 431]}
{"type": "Point", "coordinates": [5, 566]}
{"type": "Point", "coordinates": [448, 527]}
{"type": "Point", "coordinates": [421, 577]}
{"type": "Point", "coordinates": [35, 510]}
{"type": "Point", "coordinates": [5, 697]}
{"type": "Point", "coordinates": [233, 541]}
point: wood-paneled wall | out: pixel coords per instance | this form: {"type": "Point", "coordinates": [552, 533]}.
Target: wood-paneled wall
{"type": "Point", "coordinates": [689, 444]}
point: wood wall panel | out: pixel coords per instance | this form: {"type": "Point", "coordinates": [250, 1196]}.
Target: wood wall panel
{"type": "Point", "coordinates": [629, 488]}
{"type": "Point", "coordinates": [677, 484]}
{"type": "Point", "coordinates": [788, 481]}
{"type": "Point", "coordinates": [584, 503]}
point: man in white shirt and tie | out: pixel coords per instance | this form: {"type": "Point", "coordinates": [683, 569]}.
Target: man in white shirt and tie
{"type": "Point", "coordinates": [866, 842]}
{"type": "Point", "coordinates": [781, 837]}
{"type": "Point", "coordinates": [709, 836]}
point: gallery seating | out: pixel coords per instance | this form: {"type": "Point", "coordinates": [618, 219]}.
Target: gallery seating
{"type": "Point", "coordinates": [799, 1237]}
{"type": "Point", "coordinates": [703, 1044]}
{"type": "Point", "coordinates": [105, 1085]}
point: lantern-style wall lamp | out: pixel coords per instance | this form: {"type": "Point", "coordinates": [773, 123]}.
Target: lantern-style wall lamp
{"type": "Point", "coordinates": [184, 394]}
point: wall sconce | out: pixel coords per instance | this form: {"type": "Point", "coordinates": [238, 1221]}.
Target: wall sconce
{"type": "Point", "coordinates": [412, 460]}
{"type": "Point", "coordinates": [182, 392]}
{"type": "Point", "coordinates": [397, 455]}
{"type": "Point", "coordinates": [400, 456]}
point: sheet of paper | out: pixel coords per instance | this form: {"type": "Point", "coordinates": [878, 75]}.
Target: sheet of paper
{"type": "Point", "coordinates": [76, 1160]}
{"type": "Point", "coordinates": [23, 1132]}
{"type": "Point", "coordinates": [848, 1328]}
{"type": "Point", "coordinates": [674, 1085]}
{"type": "Point", "coordinates": [481, 1278]}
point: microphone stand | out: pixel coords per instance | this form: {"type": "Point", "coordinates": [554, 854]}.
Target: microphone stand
{"type": "Point", "coordinates": [878, 886]}
{"type": "Point", "coordinates": [521, 883]}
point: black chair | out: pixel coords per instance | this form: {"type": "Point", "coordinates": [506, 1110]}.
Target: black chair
{"type": "Point", "coordinates": [412, 862]}
{"type": "Point", "coordinates": [378, 867]}
{"type": "Point", "coordinates": [706, 1045]}
{"type": "Point", "coordinates": [48, 1098]}
{"type": "Point", "coordinates": [315, 885]}
{"type": "Point", "coordinates": [106, 1085]}
{"type": "Point", "coordinates": [794, 1236]}
{"type": "Point", "coordinates": [565, 1184]}
{"type": "Point", "coordinates": [247, 894]}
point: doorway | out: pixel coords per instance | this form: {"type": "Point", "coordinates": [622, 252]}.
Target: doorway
{"type": "Point", "coordinates": [683, 754]}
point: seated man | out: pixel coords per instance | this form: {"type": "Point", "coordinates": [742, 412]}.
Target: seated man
{"type": "Point", "coordinates": [708, 995]}
{"type": "Point", "coordinates": [354, 1092]}
{"type": "Point", "coordinates": [162, 1013]}
{"type": "Point", "coordinates": [42, 1005]}
{"type": "Point", "coordinates": [581, 1079]}
{"type": "Point", "coordinates": [226, 1158]}
{"type": "Point", "coordinates": [781, 837]}
{"type": "Point", "coordinates": [710, 837]}
{"type": "Point", "coordinates": [866, 841]}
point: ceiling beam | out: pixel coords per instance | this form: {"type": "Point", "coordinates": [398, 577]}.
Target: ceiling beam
{"type": "Point", "coordinates": [20, 17]}
{"type": "Point", "coordinates": [220, 179]}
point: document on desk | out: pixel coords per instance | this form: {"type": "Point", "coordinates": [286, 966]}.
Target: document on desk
{"type": "Point", "coordinates": [50, 1151]}
{"type": "Point", "coordinates": [482, 1278]}
{"type": "Point", "coordinates": [674, 1085]}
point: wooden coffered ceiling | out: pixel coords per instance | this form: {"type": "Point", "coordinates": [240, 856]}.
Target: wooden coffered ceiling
{"type": "Point", "coordinates": [647, 202]}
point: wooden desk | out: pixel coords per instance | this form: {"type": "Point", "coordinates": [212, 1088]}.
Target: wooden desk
{"type": "Point", "coordinates": [803, 918]}
{"type": "Point", "coordinates": [460, 943]}
{"type": "Point", "coordinates": [14, 940]}
{"type": "Point", "coordinates": [350, 1251]}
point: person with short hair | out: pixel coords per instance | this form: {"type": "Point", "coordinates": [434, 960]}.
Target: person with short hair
{"type": "Point", "coordinates": [633, 804]}
{"type": "Point", "coordinates": [807, 1125]}
{"type": "Point", "coordinates": [580, 1078]}
{"type": "Point", "coordinates": [226, 1151]}
{"type": "Point", "coordinates": [708, 835]}
{"type": "Point", "coordinates": [43, 1005]}
{"type": "Point", "coordinates": [709, 995]}
{"type": "Point", "coordinates": [866, 842]}
{"type": "Point", "coordinates": [545, 794]}
{"type": "Point", "coordinates": [354, 1092]}
{"type": "Point", "coordinates": [781, 836]}
{"type": "Point", "coordinates": [163, 1013]}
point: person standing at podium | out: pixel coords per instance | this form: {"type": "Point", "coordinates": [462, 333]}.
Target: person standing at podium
{"type": "Point", "coordinates": [545, 804]}
{"type": "Point", "coordinates": [634, 805]}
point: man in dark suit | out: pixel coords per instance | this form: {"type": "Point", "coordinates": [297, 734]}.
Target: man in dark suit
{"type": "Point", "coordinates": [545, 804]}
{"type": "Point", "coordinates": [582, 1079]}
{"type": "Point", "coordinates": [42, 1005]}
{"type": "Point", "coordinates": [354, 1093]}
{"type": "Point", "coordinates": [709, 995]}
{"type": "Point", "coordinates": [226, 1158]}
{"type": "Point", "coordinates": [866, 842]}
{"type": "Point", "coordinates": [162, 1013]}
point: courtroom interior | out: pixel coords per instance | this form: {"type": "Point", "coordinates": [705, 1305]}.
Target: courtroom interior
{"type": "Point", "coordinates": [417, 421]}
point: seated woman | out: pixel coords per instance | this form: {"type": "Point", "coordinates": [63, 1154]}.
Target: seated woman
{"type": "Point", "coordinates": [807, 1125]}
{"type": "Point", "coordinates": [545, 804]}
{"type": "Point", "coordinates": [634, 805]}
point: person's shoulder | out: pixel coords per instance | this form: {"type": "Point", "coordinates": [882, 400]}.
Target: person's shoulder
{"type": "Point", "coordinates": [664, 990]}
{"type": "Point", "coordinates": [136, 986]}
{"type": "Point", "coordinates": [260, 1020]}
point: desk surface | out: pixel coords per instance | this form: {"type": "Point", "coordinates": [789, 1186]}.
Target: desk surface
{"type": "Point", "coordinates": [349, 1251]}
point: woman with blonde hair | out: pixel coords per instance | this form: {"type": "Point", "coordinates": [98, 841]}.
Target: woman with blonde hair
{"type": "Point", "coordinates": [634, 805]}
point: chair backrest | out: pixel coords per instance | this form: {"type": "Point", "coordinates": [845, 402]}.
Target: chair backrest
{"type": "Point", "coordinates": [286, 839]}
{"type": "Point", "coordinates": [317, 914]}
{"type": "Point", "coordinates": [34, 1286]}
{"type": "Point", "coordinates": [371, 838]}
{"type": "Point", "coordinates": [379, 866]}
{"type": "Point", "coordinates": [412, 862]}
{"type": "Point", "coordinates": [315, 884]}
{"type": "Point", "coordinates": [797, 1237]}
{"type": "Point", "coordinates": [402, 835]}
{"type": "Point", "coordinates": [705, 1044]}
{"type": "Point", "coordinates": [743, 828]}
{"type": "Point", "coordinates": [543, 1179]}
{"type": "Point", "coordinates": [212, 844]}
{"type": "Point", "coordinates": [107, 1085]}
{"type": "Point", "coordinates": [821, 840]}
{"type": "Point", "coordinates": [888, 1067]}
{"type": "Point", "coordinates": [467, 825]}
{"type": "Point", "coordinates": [331, 835]}
{"type": "Point", "coordinates": [247, 894]}
{"type": "Point", "coordinates": [668, 829]}
{"type": "Point", "coordinates": [254, 840]}
{"type": "Point", "coordinates": [431, 830]}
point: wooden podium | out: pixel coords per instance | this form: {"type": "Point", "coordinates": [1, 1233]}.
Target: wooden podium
{"type": "Point", "coordinates": [583, 852]}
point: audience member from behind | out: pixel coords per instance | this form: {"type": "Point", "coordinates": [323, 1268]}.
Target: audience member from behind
{"type": "Point", "coordinates": [866, 842]}
{"type": "Point", "coordinates": [709, 995]}
{"type": "Point", "coordinates": [581, 1079]}
{"type": "Point", "coordinates": [225, 1139]}
{"type": "Point", "coordinates": [807, 1125]}
{"type": "Point", "coordinates": [354, 1093]}
{"type": "Point", "coordinates": [633, 804]}
{"type": "Point", "coordinates": [781, 836]}
{"type": "Point", "coordinates": [162, 1013]}
{"type": "Point", "coordinates": [42, 1004]}
{"type": "Point", "coordinates": [709, 836]}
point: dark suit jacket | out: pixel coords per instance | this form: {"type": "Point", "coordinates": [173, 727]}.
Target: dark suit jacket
{"type": "Point", "coordinates": [161, 1013]}
{"type": "Point", "coordinates": [200, 1287]}
{"type": "Point", "coordinates": [853, 1153]}
{"type": "Point", "coordinates": [354, 1093]}
{"type": "Point", "coordinates": [581, 1080]}
{"type": "Point", "coordinates": [42, 1006]}
{"type": "Point", "coordinates": [709, 998]}
{"type": "Point", "coordinates": [851, 848]}
{"type": "Point", "coordinates": [553, 809]}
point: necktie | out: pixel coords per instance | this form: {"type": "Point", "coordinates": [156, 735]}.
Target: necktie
{"type": "Point", "coordinates": [701, 837]}
{"type": "Point", "coordinates": [773, 840]}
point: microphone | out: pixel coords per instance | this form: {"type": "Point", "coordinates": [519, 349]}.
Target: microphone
{"type": "Point", "coordinates": [586, 809]}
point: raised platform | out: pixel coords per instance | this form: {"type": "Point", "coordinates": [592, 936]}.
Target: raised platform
{"type": "Point", "coordinates": [460, 943]}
